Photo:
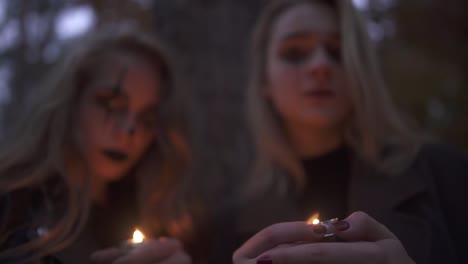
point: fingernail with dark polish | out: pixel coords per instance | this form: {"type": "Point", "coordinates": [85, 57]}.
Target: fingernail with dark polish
{"type": "Point", "coordinates": [264, 260]}
{"type": "Point", "coordinates": [319, 229]}
{"type": "Point", "coordinates": [341, 226]}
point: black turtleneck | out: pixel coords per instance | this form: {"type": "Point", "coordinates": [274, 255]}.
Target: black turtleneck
{"type": "Point", "coordinates": [327, 184]}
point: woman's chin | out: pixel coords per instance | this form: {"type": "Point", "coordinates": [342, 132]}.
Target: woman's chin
{"type": "Point", "coordinates": [109, 174]}
{"type": "Point", "coordinates": [321, 120]}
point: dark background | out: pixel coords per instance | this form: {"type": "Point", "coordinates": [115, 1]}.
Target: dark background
{"type": "Point", "coordinates": [423, 45]}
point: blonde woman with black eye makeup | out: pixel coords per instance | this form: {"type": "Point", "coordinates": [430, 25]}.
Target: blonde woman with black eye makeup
{"type": "Point", "coordinates": [97, 149]}
{"type": "Point", "coordinates": [329, 141]}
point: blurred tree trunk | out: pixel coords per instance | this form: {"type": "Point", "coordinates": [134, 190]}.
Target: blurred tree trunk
{"type": "Point", "coordinates": [211, 40]}
{"type": "Point", "coordinates": [25, 58]}
{"type": "Point", "coordinates": [111, 11]}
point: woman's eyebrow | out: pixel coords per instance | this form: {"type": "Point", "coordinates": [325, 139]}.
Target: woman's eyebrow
{"type": "Point", "coordinates": [117, 88]}
{"type": "Point", "coordinates": [309, 34]}
{"type": "Point", "coordinates": [298, 34]}
{"type": "Point", "coordinates": [107, 91]}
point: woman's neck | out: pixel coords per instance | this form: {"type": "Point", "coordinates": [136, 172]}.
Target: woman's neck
{"type": "Point", "coordinates": [98, 191]}
{"type": "Point", "coordinates": [78, 172]}
{"type": "Point", "coordinates": [313, 142]}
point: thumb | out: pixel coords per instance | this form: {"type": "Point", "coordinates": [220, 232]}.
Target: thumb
{"type": "Point", "coordinates": [359, 226]}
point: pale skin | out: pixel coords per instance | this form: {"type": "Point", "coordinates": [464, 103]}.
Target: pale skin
{"type": "Point", "coordinates": [116, 124]}
{"type": "Point", "coordinates": [119, 120]}
{"type": "Point", "coordinates": [161, 251]}
{"type": "Point", "coordinates": [305, 79]}
{"type": "Point", "coordinates": [307, 86]}
{"type": "Point", "coordinates": [367, 241]}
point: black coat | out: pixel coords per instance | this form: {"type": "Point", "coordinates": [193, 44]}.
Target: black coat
{"type": "Point", "coordinates": [18, 217]}
{"type": "Point", "coordinates": [22, 210]}
{"type": "Point", "coordinates": [425, 207]}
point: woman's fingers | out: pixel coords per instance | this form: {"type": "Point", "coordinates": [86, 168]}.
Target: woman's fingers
{"type": "Point", "coordinates": [105, 256]}
{"type": "Point", "coordinates": [297, 242]}
{"type": "Point", "coordinates": [326, 253]}
{"type": "Point", "coordinates": [362, 227]}
{"type": "Point", "coordinates": [151, 251]}
{"type": "Point", "coordinates": [178, 258]}
{"type": "Point", "coordinates": [368, 242]}
{"type": "Point", "coordinates": [359, 226]}
{"type": "Point", "coordinates": [277, 234]}
{"type": "Point", "coordinates": [384, 251]}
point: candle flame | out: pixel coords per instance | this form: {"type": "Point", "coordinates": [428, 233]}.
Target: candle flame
{"type": "Point", "coordinates": [314, 219]}
{"type": "Point", "coordinates": [138, 237]}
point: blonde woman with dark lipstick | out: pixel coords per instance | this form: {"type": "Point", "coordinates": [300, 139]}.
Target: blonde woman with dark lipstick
{"type": "Point", "coordinates": [96, 149]}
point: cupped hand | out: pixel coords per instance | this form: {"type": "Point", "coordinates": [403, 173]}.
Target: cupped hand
{"type": "Point", "coordinates": [160, 251]}
{"type": "Point", "coordinates": [367, 241]}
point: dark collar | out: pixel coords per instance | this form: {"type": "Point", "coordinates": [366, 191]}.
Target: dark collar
{"type": "Point", "coordinates": [390, 200]}
{"type": "Point", "coordinates": [376, 191]}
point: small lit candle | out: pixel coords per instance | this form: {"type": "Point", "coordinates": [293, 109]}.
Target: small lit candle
{"type": "Point", "coordinates": [137, 239]}
{"type": "Point", "coordinates": [314, 220]}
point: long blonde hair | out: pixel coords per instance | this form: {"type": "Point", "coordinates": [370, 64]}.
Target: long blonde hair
{"type": "Point", "coordinates": [40, 144]}
{"type": "Point", "coordinates": [373, 126]}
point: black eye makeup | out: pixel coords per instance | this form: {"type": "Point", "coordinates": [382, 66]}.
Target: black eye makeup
{"type": "Point", "coordinates": [117, 89]}
{"type": "Point", "coordinates": [294, 55]}
{"type": "Point", "coordinates": [297, 47]}
{"type": "Point", "coordinates": [113, 99]}
{"type": "Point", "coordinates": [115, 102]}
{"type": "Point", "coordinates": [297, 51]}
{"type": "Point", "coordinates": [111, 103]}
{"type": "Point", "coordinates": [333, 49]}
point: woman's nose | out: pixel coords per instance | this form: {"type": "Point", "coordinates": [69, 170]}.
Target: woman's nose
{"type": "Point", "coordinates": [320, 65]}
{"type": "Point", "coordinates": [128, 124]}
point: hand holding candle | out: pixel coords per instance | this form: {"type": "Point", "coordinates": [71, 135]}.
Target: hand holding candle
{"type": "Point", "coordinates": [327, 225]}
{"type": "Point", "coordinates": [368, 242]}
{"type": "Point", "coordinates": [142, 250]}
{"type": "Point", "coordinates": [137, 239]}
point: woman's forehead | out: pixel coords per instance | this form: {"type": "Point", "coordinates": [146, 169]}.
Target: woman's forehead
{"type": "Point", "coordinates": [306, 18]}
{"type": "Point", "coordinates": [115, 69]}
